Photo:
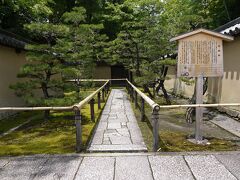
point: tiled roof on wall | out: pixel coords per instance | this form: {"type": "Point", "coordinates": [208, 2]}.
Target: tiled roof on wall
{"type": "Point", "coordinates": [8, 39]}
{"type": "Point", "coordinates": [231, 28]}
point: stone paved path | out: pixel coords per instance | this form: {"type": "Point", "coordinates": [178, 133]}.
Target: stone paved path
{"type": "Point", "coordinates": [134, 166]}
{"type": "Point", "coordinates": [117, 130]}
{"type": "Point", "coordinates": [227, 123]}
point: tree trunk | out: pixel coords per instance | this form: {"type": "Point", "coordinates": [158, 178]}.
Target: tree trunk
{"type": "Point", "coordinates": [147, 90]}
{"type": "Point", "coordinates": [161, 85]}
{"type": "Point", "coordinates": [46, 96]}
{"type": "Point", "coordinates": [165, 94]}
{"type": "Point", "coordinates": [137, 61]}
{"type": "Point", "coordinates": [190, 112]}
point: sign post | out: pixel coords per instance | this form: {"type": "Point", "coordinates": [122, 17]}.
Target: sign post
{"type": "Point", "coordinates": [200, 54]}
{"type": "Point", "coordinates": [199, 112]}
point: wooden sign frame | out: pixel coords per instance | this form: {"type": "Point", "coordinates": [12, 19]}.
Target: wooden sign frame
{"type": "Point", "coordinates": [200, 54]}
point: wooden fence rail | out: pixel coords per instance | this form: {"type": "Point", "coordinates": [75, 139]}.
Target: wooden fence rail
{"type": "Point", "coordinates": [134, 92]}
{"type": "Point", "coordinates": [76, 108]}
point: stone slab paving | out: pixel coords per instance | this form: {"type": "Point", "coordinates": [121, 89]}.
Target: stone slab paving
{"type": "Point", "coordinates": [136, 167]}
{"type": "Point", "coordinates": [146, 166]}
{"type": "Point", "coordinates": [3, 162]}
{"type": "Point", "coordinates": [208, 167]}
{"type": "Point", "coordinates": [231, 162]}
{"type": "Point", "coordinates": [227, 123]}
{"type": "Point", "coordinates": [22, 168]}
{"type": "Point", "coordinates": [59, 168]}
{"type": "Point", "coordinates": [162, 167]}
{"type": "Point", "coordinates": [96, 168]}
{"type": "Point", "coordinates": [117, 130]}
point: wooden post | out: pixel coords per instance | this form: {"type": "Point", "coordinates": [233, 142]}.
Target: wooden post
{"type": "Point", "coordinates": [127, 87]}
{"type": "Point", "coordinates": [142, 109]}
{"type": "Point", "coordinates": [99, 100]}
{"type": "Point", "coordinates": [154, 92]}
{"type": "Point", "coordinates": [78, 87]}
{"type": "Point", "coordinates": [155, 125]}
{"type": "Point", "coordinates": [78, 129]}
{"type": "Point", "coordinates": [92, 110]}
{"type": "Point", "coordinates": [136, 99]}
{"type": "Point", "coordinates": [103, 95]}
{"type": "Point", "coordinates": [107, 89]}
{"type": "Point", "coordinates": [109, 84]}
{"type": "Point", "coordinates": [132, 94]}
{"type": "Point", "coordinates": [199, 113]}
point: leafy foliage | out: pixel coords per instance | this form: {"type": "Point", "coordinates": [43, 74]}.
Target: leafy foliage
{"type": "Point", "coordinates": [72, 36]}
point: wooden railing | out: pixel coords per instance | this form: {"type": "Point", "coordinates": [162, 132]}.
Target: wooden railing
{"type": "Point", "coordinates": [77, 110]}
{"type": "Point", "coordinates": [102, 91]}
{"type": "Point", "coordinates": [134, 92]}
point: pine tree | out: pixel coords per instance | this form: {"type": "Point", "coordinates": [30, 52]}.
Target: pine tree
{"type": "Point", "coordinates": [83, 45]}
{"type": "Point", "coordinates": [43, 68]}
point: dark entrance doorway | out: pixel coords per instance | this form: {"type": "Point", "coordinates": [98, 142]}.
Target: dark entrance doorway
{"type": "Point", "coordinates": [118, 72]}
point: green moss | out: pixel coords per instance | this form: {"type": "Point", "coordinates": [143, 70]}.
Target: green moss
{"type": "Point", "coordinates": [177, 141]}
{"type": "Point", "coordinates": [172, 139]}
{"type": "Point", "coordinates": [14, 121]}
{"type": "Point", "coordinates": [55, 136]}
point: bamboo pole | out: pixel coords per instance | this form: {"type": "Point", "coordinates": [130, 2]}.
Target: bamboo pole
{"type": "Point", "coordinates": [79, 105]}
{"type": "Point", "coordinates": [87, 99]}
{"type": "Point", "coordinates": [96, 80]}
{"type": "Point", "coordinates": [35, 108]}
{"type": "Point", "coordinates": [198, 105]}
{"type": "Point", "coordinates": [145, 97]}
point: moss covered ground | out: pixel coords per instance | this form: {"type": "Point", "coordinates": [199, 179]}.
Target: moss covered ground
{"type": "Point", "coordinates": [14, 121]}
{"type": "Point", "coordinates": [53, 136]}
{"type": "Point", "coordinates": [174, 132]}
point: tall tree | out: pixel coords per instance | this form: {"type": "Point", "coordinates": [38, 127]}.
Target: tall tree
{"type": "Point", "coordinates": [14, 14]}
{"type": "Point", "coordinates": [43, 70]}
{"type": "Point", "coordinates": [84, 43]}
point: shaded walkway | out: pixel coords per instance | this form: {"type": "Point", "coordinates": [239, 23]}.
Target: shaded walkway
{"type": "Point", "coordinates": [117, 130]}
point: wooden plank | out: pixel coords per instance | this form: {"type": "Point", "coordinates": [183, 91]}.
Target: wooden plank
{"type": "Point", "coordinates": [200, 54]}
{"type": "Point", "coordinates": [205, 31]}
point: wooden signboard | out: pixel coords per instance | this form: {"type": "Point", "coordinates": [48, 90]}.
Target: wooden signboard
{"type": "Point", "coordinates": [200, 53]}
